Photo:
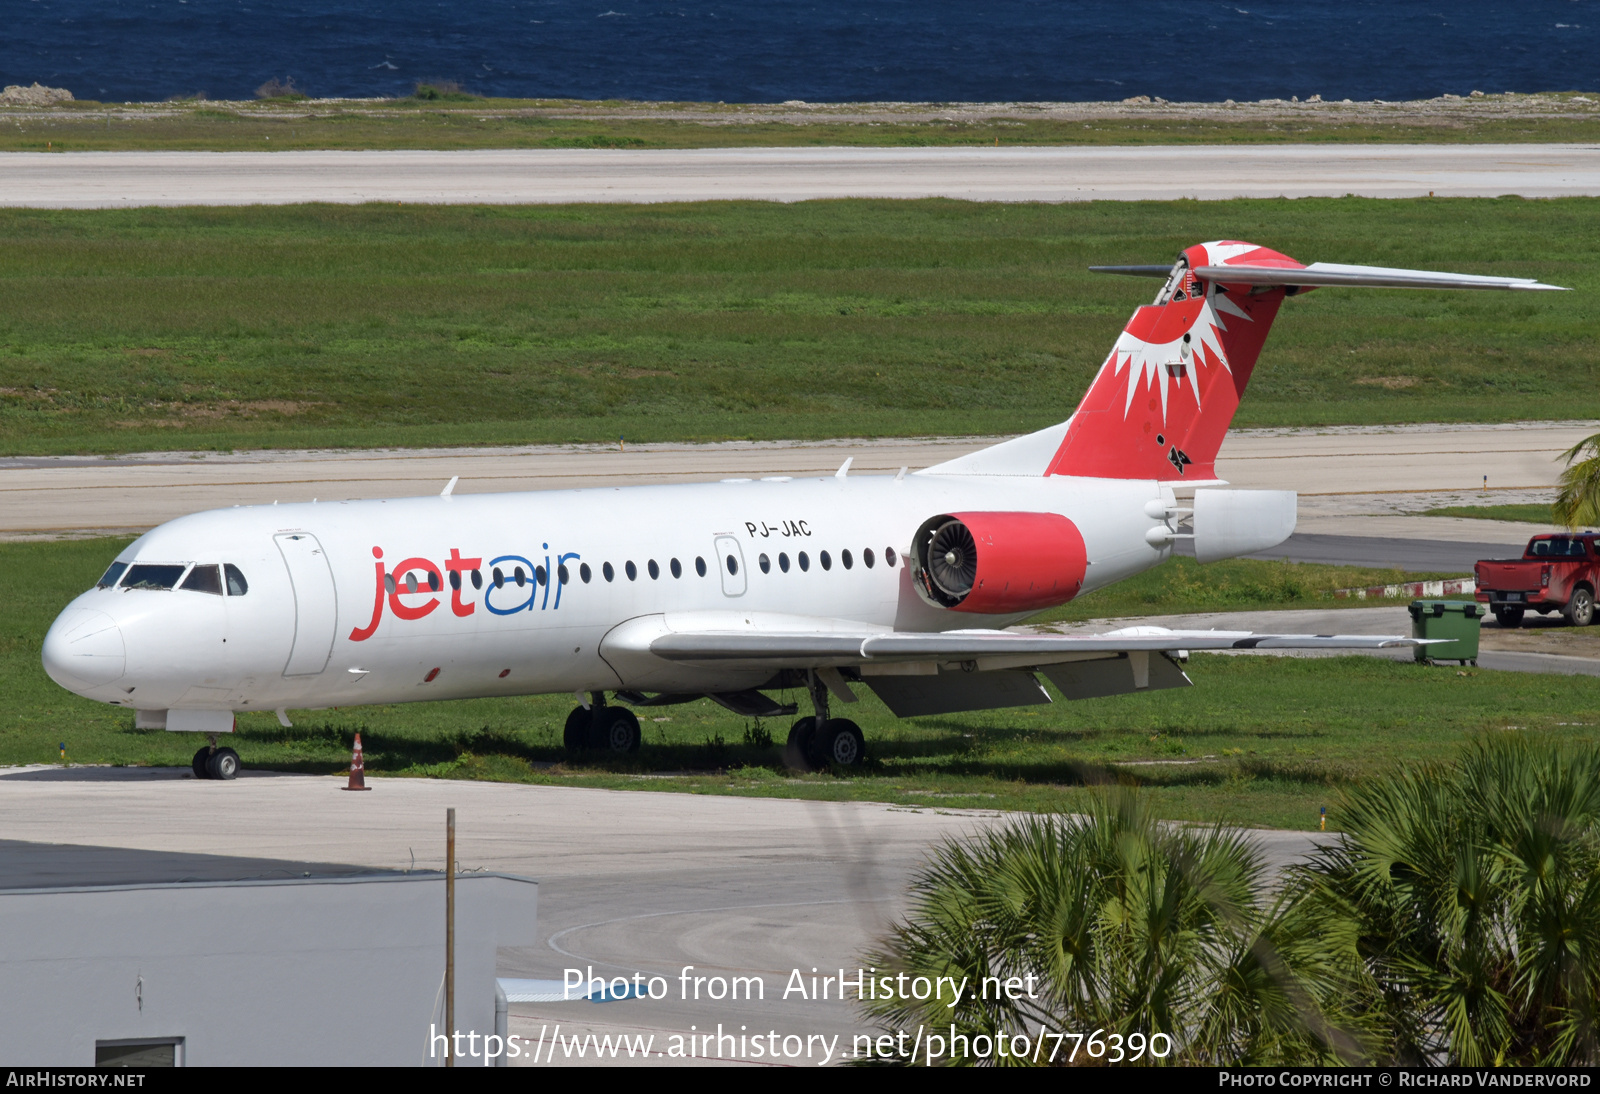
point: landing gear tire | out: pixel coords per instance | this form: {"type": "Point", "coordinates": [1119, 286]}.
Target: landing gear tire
{"type": "Point", "coordinates": [617, 730]}
{"type": "Point", "coordinates": [1580, 609]}
{"type": "Point", "coordinates": [1508, 617]}
{"type": "Point", "coordinates": [201, 760]}
{"type": "Point", "coordinates": [839, 742]}
{"type": "Point", "coordinates": [797, 751]}
{"type": "Point", "coordinates": [223, 764]}
{"type": "Point", "coordinates": [576, 736]}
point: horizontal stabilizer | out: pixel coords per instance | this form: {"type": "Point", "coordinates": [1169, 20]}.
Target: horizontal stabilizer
{"type": "Point", "coordinates": [1163, 270]}
{"type": "Point", "coordinates": [1332, 274]}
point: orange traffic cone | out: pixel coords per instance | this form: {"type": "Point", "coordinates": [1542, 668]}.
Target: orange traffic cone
{"type": "Point", "coordinates": [358, 769]}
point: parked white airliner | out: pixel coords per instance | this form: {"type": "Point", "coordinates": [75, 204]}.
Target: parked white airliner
{"type": "Point", "coordinates": [662, 594]}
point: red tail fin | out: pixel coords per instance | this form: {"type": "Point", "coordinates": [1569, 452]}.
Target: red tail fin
{"type": "Point", "coordinates": [1165, 396]}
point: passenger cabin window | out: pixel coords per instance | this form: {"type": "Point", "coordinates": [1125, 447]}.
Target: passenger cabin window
{"type": "Point", "coordinates": [109, 578]}
{"type": "Point", "coordinates": [655, 571]}
{"type": "Point", "coordinates": [237, 585]}
{"type": "Point", "coordinates": [148, 575]}
{"type": "Point", "coordinates": [204, 579]}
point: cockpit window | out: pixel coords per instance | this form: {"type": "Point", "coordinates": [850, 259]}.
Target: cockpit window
{"type": "Point", "coordinates": [109, 578]}
{"type": "Point", "coordinates": [237, 585]}
{"type": "Point", "coordinates": [148, 575]}
{"type": "Point", "coordinates": [204, 579]}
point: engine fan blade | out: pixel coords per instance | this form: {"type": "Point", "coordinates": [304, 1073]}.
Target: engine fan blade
{"type": "Point", "coordinates": [953, 559]}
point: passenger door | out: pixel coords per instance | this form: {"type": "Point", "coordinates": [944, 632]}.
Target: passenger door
{"type": "Point", "coordinates": [316, 607]}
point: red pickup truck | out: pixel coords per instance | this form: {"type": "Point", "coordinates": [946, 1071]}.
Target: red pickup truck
{"type": "Point", "coordinates": [1557, 573]}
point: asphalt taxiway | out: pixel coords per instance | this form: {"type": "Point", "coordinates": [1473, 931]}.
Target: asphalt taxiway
{"type": "Point", "coordinates": [1361, 486]}
{"type": "Point", "coordinates": [629, 882]}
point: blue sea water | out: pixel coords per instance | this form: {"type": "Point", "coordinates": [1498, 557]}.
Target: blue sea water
{"type": "Point", "coordinates": [906, 50]}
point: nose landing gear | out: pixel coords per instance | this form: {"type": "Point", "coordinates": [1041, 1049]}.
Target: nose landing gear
{"type": "Point", "coordinates": [212, 762]}
{"type": "Point", "coordinates": [608, 729]}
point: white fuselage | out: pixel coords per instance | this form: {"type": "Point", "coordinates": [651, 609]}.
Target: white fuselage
{"type": "Point", "coordinates": [304, 637]}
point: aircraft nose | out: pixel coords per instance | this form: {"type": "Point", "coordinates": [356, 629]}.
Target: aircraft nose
{"type": "Point", "coordinates": [82, 647]}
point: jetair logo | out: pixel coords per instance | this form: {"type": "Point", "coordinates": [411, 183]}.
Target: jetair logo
{"type": "Point", "coordinates": [413, 588]}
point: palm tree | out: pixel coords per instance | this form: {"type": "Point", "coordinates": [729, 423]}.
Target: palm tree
{"type": "Point", "coordinates": [1128, 927]}
{"type": "Point", "coordinates": [1475, 889]}
{"type": "Point", "coordinates": [1457, 921]}
{"type": "Point", "coordinates": [1578, 501]}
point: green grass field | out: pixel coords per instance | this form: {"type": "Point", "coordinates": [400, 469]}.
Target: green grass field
{"type": "Point", "coordinates": [514, 123]}
{"type": "Point", "coordinates": [1258, 740]}
{"type": "Point", "coordinates": [1528, 514]}
{"type": "Point", "coordinates": [1234, 585]}
{"type": "Point", "coordinates": [365, 325]}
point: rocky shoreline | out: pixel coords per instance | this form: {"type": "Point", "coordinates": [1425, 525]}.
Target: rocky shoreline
{"type": "Point", "coordinates": [1443, 110]}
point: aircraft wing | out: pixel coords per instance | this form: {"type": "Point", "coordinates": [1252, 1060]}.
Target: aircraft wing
{"type": "Point", "coordinates": [793, 650]}
{"type": "Point", "coordinates": [918, 673]}
{"type": "Point", "coordinates": [930, 674]}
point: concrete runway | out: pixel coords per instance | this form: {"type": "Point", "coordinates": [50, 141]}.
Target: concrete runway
{"type": "Point", "coordinates": [629, 881]}
{"type": "Point", "coordinates": [122, 179]}
{"type": "Point", "coordinates": [1353, 481]}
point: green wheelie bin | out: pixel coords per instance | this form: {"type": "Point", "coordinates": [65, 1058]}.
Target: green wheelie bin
{"type": "Point", "coordinates": [1457, 620]}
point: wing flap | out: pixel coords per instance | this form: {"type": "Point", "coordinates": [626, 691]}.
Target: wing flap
{"type": "Point", "coordinates": [954, 692]}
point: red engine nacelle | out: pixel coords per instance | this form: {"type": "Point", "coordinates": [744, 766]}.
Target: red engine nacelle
{"type": "Point", "coordinates": [998, 563]}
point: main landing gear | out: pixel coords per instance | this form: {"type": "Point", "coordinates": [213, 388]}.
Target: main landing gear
{"type": "Point", "coordinates": [212, 762]}
{"type": "Point", "coordinates": [820, 741]}
{"type": "Point", "coordinates": [597, 726]}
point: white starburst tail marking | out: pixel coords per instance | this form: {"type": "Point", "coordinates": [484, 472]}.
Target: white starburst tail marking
{"type": "Point", "coordinates": [1224, 251]}
{"type": "Point", "coordinates": [1150, 359]}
